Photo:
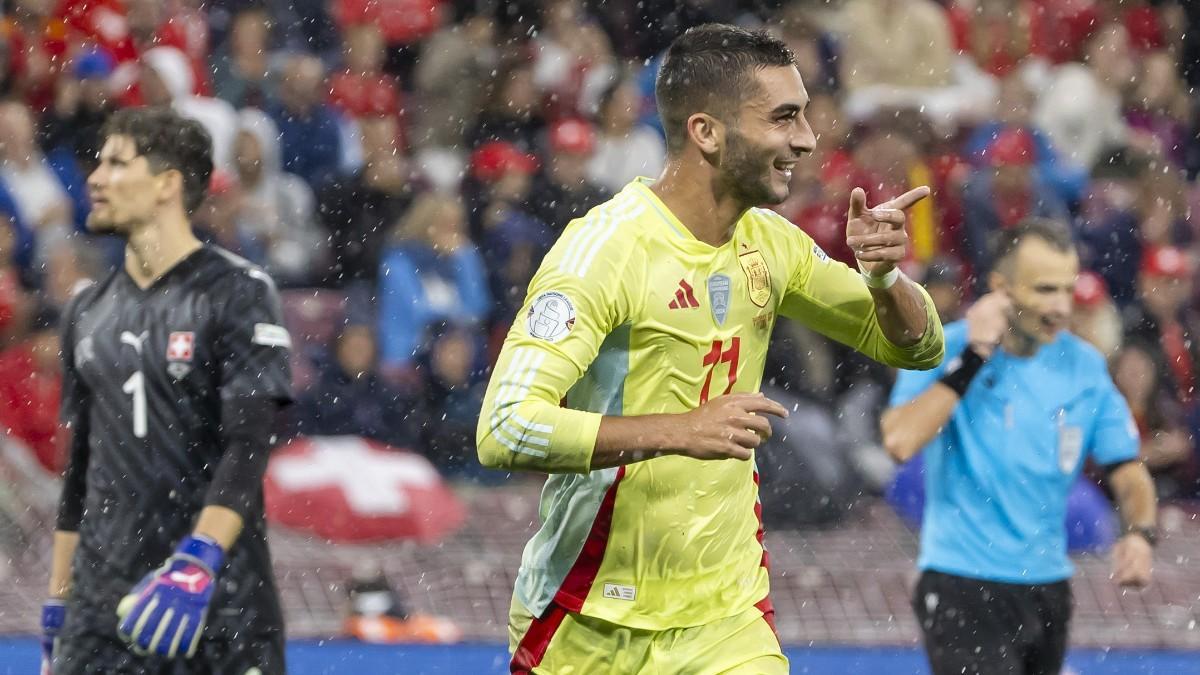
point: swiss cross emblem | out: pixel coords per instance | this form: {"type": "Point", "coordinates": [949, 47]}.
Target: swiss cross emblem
{"type": "Point", "coordinates": [179, 346]}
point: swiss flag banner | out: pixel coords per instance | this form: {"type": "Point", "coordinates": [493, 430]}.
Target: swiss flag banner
{"type": "Point", "coordinates": [350, 489]}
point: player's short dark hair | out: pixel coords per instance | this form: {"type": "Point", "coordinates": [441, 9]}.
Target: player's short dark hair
{"type": "Point", "coordinates": [168, 141]}
{"type": "Point", "coordinates": [1054, 233]}
{"type": "Point", "coordinates": [709, 69]}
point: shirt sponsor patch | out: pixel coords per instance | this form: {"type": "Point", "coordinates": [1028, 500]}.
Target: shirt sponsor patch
{"type": "Point", "coordinates": [271, 335]}
{"type": "Point", "coordinates": [820, 253]}
{"type": "Point", "coordinates": [551, 317]}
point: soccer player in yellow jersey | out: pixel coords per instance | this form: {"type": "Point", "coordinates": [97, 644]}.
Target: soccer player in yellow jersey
{"type": "Point", "coordinates": [631, 376]}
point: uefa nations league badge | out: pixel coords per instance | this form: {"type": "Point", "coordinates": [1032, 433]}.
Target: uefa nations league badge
{"type": "Point", "coordinates": [718, 296]}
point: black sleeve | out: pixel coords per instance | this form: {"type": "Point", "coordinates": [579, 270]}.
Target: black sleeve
{"type": "Point", "coordinates": [253, 347]}
{"type": "Point", "coordinates": [73, 416]}
{"type": "Point", "coordinates": [1110, 468]}
{"type": "Point", "coordinates": [246, 427]}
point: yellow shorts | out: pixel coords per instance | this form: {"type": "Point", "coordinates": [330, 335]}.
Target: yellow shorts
{"type": "Point", "coordinates": [563, 643]}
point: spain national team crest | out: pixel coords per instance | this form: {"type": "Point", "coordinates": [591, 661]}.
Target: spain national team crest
{"type": "Point", "coordinates": [180, 350]}
{"type": "Point", "coordinates": [718, 296]}
{"type": "Point", "coordinates": [758, 277]}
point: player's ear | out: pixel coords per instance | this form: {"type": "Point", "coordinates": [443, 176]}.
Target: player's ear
{"type": "Point", "coordinates": [707, 132]}
{"type": "Point", "coordinates": [170, 185]}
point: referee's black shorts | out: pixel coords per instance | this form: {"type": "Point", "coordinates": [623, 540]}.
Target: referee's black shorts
{"type": "Point", "coordinates": [975, 627]}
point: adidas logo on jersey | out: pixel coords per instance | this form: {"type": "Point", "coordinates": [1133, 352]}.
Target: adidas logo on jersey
{"type": "Point", "coordinates": [684, 297]}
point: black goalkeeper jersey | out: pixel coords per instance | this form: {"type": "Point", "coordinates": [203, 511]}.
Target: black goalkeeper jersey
{"type": "Point", "coordinates": [145, 371]}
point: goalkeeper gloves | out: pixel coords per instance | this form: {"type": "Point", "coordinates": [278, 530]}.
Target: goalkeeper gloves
{"type": "Point", "coordinates": [54, 613]}
{"type": "Point", "coordinates": [165, 613]}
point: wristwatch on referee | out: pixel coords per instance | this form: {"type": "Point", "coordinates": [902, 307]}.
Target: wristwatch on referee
{"type": "Point", "coordinates": [1150, 534]}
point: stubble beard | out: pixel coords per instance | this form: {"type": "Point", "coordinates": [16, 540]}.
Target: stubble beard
{"type": "Point", "coordinates": [746, 175]}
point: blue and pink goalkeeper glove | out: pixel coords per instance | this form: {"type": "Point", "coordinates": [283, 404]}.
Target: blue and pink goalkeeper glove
{"type": "Point", "coordinates": [164, 614]}
{"type": "Point", "coordinates": [54, 613]}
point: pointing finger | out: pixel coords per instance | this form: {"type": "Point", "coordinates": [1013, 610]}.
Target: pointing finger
{"type": "Point", "coordinates": [908, 198]}
{"type": "Point", "coordinates": [858, 202]}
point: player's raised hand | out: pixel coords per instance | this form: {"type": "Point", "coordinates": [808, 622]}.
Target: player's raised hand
{"type": "Point", "coordinates": [165, 613]}
{"type": "Point", "coordinates": [877, 235]}
{"type": "Point", "coordinates": [1132, 561]}
{"type": "Point", "coordinates": [728, 426]}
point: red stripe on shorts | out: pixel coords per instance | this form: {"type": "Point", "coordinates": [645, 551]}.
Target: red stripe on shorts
{"type": "Point", "coordinates": [578, 582]}
{"type": "Point", "coordinates": [533, 646]}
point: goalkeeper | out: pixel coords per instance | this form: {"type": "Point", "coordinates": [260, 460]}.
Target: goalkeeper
{"type": "Point", "coordinates": [173, 369]}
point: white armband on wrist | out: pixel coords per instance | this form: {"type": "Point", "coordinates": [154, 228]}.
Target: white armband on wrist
{"type": "Point", "coordinates": [882, 282]}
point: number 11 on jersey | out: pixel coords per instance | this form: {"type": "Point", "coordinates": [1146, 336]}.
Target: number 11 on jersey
{"type": "Point", "coordinates": [720, 354]}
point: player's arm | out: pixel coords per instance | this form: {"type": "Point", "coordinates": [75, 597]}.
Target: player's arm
{"type": "Point", "coordinates": [1133, 491]}
{"type": "Point", "coordinates": [166, 612]}
{"type": "Point", "coordinates": [577, 299]}
{"type": "Point", "coordinates": [1115, 446]}
{"type": "Point", "coordinates": [236, 491]}
{"type": "Point", "coordinates": [910, 426]}
{"type": "Point", "coordinates": [897, 326]}
{"type": "Point", "coordinates": [572, 306]}
{"type": "Point", "coordinates": [70, 503]}
{"type": "Point", "coordinates": [73, 411]}
{"type": "Point", "coordinates": [725, 427]}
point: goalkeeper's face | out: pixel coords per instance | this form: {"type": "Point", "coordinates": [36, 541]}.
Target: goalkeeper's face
{"type": "Point", "coordinates": [123, 189]}
{"type": "Point", "coordinates": [768, 136]}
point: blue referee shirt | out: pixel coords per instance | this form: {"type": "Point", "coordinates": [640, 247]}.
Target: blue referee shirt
{"type": "Point", "coordinates": [998, 474]}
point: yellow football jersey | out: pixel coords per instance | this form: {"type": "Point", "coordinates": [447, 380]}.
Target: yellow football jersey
{"type": "Point", "coordinates": [630, 314]}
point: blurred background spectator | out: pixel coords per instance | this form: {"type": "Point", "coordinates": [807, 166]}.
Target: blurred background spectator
{"type": "Point", "coordinates": [430, 273]}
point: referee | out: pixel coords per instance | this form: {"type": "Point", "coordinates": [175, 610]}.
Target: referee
{"type": "Point", "coordinates": [1006, 423]}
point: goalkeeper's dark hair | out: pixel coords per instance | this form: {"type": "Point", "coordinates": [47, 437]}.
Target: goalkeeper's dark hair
{"type": "Point", "coordinates": [710, 68]}
{"type": "Point", "coordinates": [1054, 233]}
{"type": "Point", "coordinates": [168, 141]}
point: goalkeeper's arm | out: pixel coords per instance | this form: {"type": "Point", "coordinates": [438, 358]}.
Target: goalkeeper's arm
{"type": "Point", "coordinates": [235, 494]}
{"type": "Point", "coordinates": [70, 506]}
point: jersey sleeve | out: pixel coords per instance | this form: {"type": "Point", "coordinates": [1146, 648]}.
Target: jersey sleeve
{"type": "Point", "coordinates": [252, 347]}
{"type": "Point", "coordinates": [575, 300]}
{"type": "Point", "coordinates": [1115, 438]}
{"type": "Point", "coordinates": [832, 299]}
{"type": "Point", "coordinates": [73, 415]}
{"type": "Point", "coordinates": [912, 383]}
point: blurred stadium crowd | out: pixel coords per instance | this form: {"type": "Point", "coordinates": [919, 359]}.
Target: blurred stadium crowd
{"type": "Point", "coordinates": [401, 166]}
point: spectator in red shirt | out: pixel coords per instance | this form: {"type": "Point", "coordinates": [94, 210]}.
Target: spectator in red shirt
{"type": "Point", "coordinates": [404, 23]}
{"type": "Point", "coordinates": [1163, 316]}
{"type": "Point", "coordinates": [30, 386]}
{"type": "Point", "coordinates": [13, 301]}
{"type": "Point", "coordinates": [362, 88]}
{"type": "Point", "coordinates": [994, 33]}
{"type": "Point", "coordinates": [1096, 317]}
{"type": "Point", "coordinates": [1167, 448]}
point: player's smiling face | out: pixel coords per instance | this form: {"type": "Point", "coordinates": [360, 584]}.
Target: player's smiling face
{"type": "Point", "coordinates": [770, 135]}
{"type": "Point", "coordinates": [123, 190]}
